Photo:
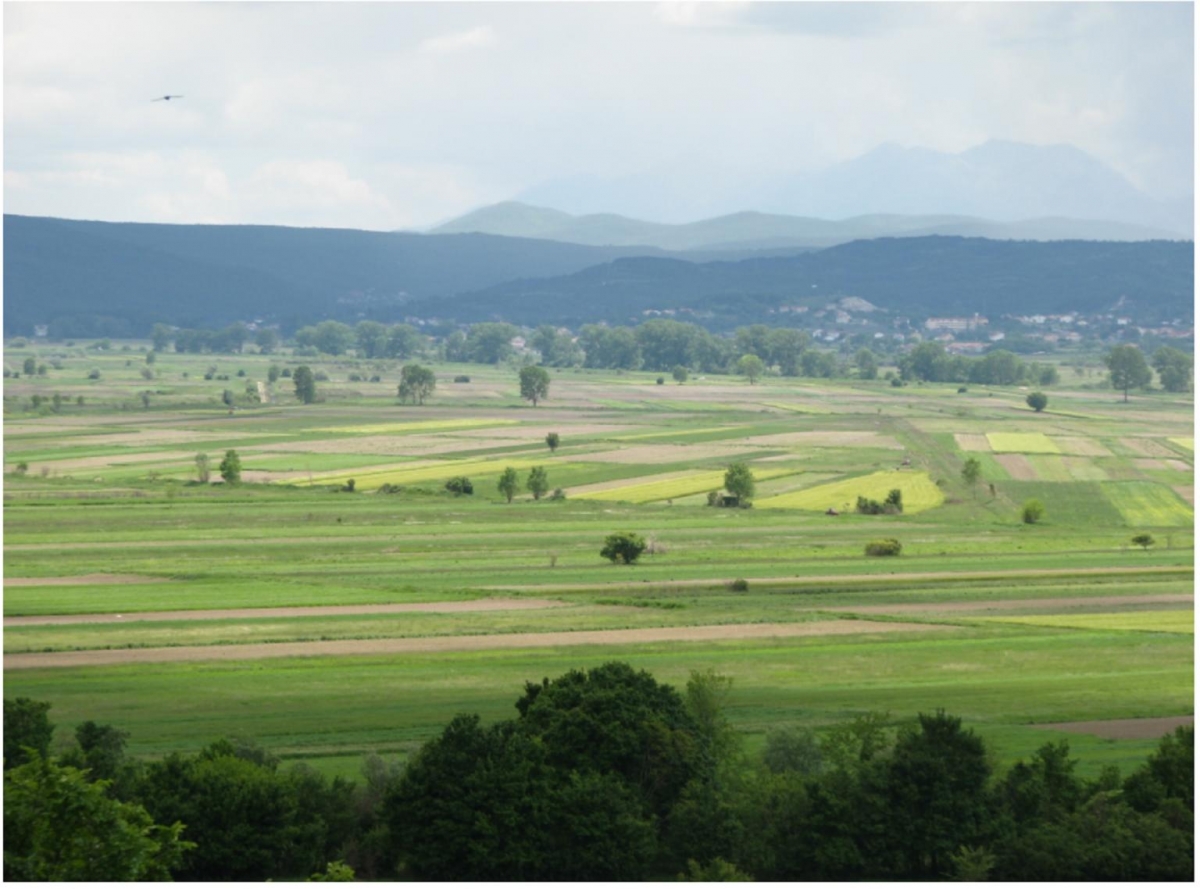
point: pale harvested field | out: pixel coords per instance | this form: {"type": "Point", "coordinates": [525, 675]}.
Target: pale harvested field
{"type": "Point", "coordinates": [600, 487]}
{"type": "Point", "coordinates": [150, 437]}
{"type": "Point", "coordinates": [83, 580]}
{"type": "Point", "coordinates": [1187, 492]}
{"type": "Point", "coordinates": [1081, 447]}
{"type": "Point", "coordinates": [343, 648]}
{"type": "Point", "coordinates": [1179, 465]}
{"type": "Point", "coordinates": [475, 605]}
{"type": "Point", "coordinates": [1122, 729]}
{"type": "Point", "coordinates": [666, 453]}
{"type": "Point", "coordinates": [1147, 447]}
{"type": "Point", "coordinates": [971, 441]}
{"type": "Point", "coordinates": [1017, 466]}
{"type": "Point", "coordinates": [89, 463]}
{"type": "Point", "coordinates": [1148, 463]}
{"type": "Point", "coordinates": [1015, 604]}
{"type": "Point", "coordinates": [384, 445]}
{"type": "Point", "coordinates": [566, 432]}
{"type": "Point", "coordinates": [829, 439]}
{"type": "Point", "coordinates": [1084, 470]}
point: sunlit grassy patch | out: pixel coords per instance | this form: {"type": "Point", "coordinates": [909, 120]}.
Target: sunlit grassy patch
{"type": "Point", "coordinates": [1144, 621]}
{"type": "Point", "coordinates": [918, 490]}
{"type": "Point", "coordinates": [1021, 443]}
{"type": "Point", "coordinates": [415, 426]}
{"type": "Point", "coordinates": [1188, 443]}
{"type": "Point", "coordinates": [1147, 504]}
{"type": "Point", "coordinates": [668, 489]}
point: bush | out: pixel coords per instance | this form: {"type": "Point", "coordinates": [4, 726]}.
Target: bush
{"type": "Point", "coordinates": [558, 494]}
{"type": "Point", "coordinates": [887, 546]}
{"type": "Point", "coordinates": [897, 382]}
{"type": "Point", "coordinates": [462, 378]}
{"type": "Point", "coordinates": [94, 373]}
{"type": "Point", "coordinates": [873, 507]}
{"type": "Point", "coordinates": [460, 485]}
{"type": "Point", "coordinates": [1032, 511]}
{"type": "Point", "coordinates": [1037, 401]}
{"type": "Point", "coordinates": [740, 585]}
{"type": "Point", "coordinates": [659, 381]}
{"type": "Point", "coordinates": [624, 546]}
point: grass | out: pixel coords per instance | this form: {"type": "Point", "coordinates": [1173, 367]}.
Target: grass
{"type": "Point", "coordinates": [1136, 621]}
{"type": "Point", "coordinates": [919, 493]}
{"type": "Point", "coordinates": [1144, 504]}
{"type": "Point", "coordinates": [666, 489]}
{"type": "Point", "coordinates": [1021, 443]}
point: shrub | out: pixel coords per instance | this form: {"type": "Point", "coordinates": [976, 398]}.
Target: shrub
{"type": "Point", "coordinates": [1037, 401]}
{"type": "Point", "coordinates": [1145, 541]}
{"type": "Point", "coordinates": [897, 382]}
{"type": "Point", "coordinates": [740, 585]}
{"type": "Point", "coordinates": [623, 546]}
{"type": "Point", "coordinates": [460, 484]}
{"type": "Point", "coordinates": [558, 494]}
{"type": "Point", "coordinates": [1032, 511]}
{"type": "Point", "coordinates": [286, 372]}
{"type": "Point", "coordinates": [886, 546]}
{"type": "Point", "coordinates": [962, 390]}
{"type": "Point", "coordinates": [94, 373]}
{"type": "Point", "coordinates": [659, 381]}
{"type": "Point", "coordinates": [462, 378]}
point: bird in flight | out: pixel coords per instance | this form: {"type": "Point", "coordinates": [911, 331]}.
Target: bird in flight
{"type": "Point", "coordinates": [166, 98]}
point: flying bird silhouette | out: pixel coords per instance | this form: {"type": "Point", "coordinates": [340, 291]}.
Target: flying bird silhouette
{"type": "Point", "coordinates": [166, 98]}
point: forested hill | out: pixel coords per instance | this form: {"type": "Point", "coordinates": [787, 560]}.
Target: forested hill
{"type": "Point", "coordinates": [916, 277]}
{"type": "Point", "coordinates": [135, 274]}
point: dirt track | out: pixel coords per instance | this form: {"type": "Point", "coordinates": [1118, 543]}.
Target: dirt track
{"type": "Point", "coordinates": [297, 611]}
{"type": "Point", "coordinates": [1122, 729]}
{"type": "Point", "coordinates": [83, 580]}
{"type": "Point", "coordinates": [1014, 604]}
{"type": "Point", "coordinates": [450, 643]}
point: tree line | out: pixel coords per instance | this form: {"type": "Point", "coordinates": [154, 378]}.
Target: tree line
{"type": "Point", "coordinates": [602, 774]}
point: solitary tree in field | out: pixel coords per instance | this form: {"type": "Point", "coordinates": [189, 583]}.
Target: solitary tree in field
{"type": "Point", "coordinates": [970, 472]}
{"type": "Point", "coordinates": [751, 367]}
{"type": "Point", "coordinates": [1037, 401]}
{"type": "Point", "coordinates": [536, 483]}
{"type": "Point", "coordinates": [231, 468]}
{"type": "Point", "coordinates": [508, 484]}
{"type": "Point", "coordinates": [416, 383]}
{"type": "Point", "coordinates": [1032, 511]}
{"type": "Point", "coordinates": [1127, 368]}
{"type": "Point", "coordinates": [1145, 541]}
{"type": "Point", "coordinates": [624, 547]}
{"type": "Point", "coordinates": [552, 441]}
{"type": "Point", "coordinates": [680, 374]}
{"type": "Point", "coordinates": [739, 481]}
{"type": "Point", "coordinates": [202, 468]}
{"type": "Point", "coordinates": [535, 383]}
{"type": "Point", "coordinates": [305, 383]}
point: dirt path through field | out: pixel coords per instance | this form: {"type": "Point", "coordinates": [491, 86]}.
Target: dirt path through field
{"type": "Point", "coordinates": [83, 580]}
{"type": "Point", "coordinates": [433, 644]}
{"type": "Point", "coordinates": [473, 605]}
{"type": "Point", "coordinates": [1122, 729]}
{"type": "Point", "coordinates": [1011, 604]}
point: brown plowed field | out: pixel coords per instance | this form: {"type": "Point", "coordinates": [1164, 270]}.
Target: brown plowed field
{"type": "Point", "coordinates": [297, 611]}
{"type": "Point", "coordinates": [1122, 729]}
{"type": "Point", "coordinates": [352, 647]}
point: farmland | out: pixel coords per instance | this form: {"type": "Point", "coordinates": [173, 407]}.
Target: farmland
{"type": "Point", "coordinates": [133, 594]}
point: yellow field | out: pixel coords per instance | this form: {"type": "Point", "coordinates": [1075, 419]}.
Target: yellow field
{"type": "Point", "coordinates": [416, 426]}
{"type": "Point", "coordinates": [1189, 443]}
{"type": "Point", "coordinates": [1141, 621]}
{"type": "Point", "coordinates": [1021, 443]}
{"type": "Point", "coordinates": [1148, 505]}
{"type": "Point", "coordinates": [669, 489]}
{"type": "Point", "coordinates": [918, 490]}
{"type": "Point", "coordinates": [445, 469]}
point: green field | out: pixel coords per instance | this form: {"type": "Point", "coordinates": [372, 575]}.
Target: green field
{"type": "Point", "coordinates": [1005, 624]}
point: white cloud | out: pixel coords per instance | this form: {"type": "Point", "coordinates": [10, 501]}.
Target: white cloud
{"type": "Point", "coordinates": [448, 43]}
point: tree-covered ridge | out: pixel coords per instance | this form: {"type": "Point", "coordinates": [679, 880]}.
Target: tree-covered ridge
{"type": "Point", "coordinates": [603, 774]}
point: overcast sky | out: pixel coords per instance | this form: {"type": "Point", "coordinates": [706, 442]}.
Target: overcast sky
{"type": "Point", "coordinates": [396, 115]}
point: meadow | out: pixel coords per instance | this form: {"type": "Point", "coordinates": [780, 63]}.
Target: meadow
{"type": "Point", "coordinates": [114, 551]}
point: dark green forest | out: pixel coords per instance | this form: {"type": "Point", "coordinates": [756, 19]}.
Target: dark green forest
{"type": "Point", "coordinates": [601, 774]}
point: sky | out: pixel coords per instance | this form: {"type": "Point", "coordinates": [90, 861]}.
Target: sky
{"type": "Point", "coordinates": [401, 115]}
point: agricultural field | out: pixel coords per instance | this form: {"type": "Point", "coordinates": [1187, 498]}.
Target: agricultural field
{"type": "Point", "coordinates": [328, 623]}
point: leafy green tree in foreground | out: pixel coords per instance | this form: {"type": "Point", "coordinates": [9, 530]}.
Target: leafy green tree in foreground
{"type": "Point", "coordinates": [1127, 368]}
{"type": "Point", "coordinates": [536, 483]}
{"type": "Point", "coordinates": [231, 468]}
{"type": "Point", "coordinates": [416, 383]}
{"type": "Point", "coordinates": [971, 471]}
{"type": "Point", "coordinates": [508, 484]}
{"type": "Point", "coordinates": [305, 383]}
{"type": "Point", "coordinates": [58, 826]}
{"type": "Point", "coordinates": [1037, 401]}
{"type": "Point", "coordinates": [26, 725]}
{"type": "Point", "coordinates": [535, 383]}
{"type": "Point", "coordinates": [623, 546]}
{"type": "Point", "coordinates": [739, 481]}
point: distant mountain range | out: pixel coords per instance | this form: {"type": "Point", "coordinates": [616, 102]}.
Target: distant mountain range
{"type": "Point", "coordinates": [998, 180]}
{"type": "Point", "coordinates": [750, 231]}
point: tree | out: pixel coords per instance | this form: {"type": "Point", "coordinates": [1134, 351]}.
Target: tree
{"type": "Point", "coordinates": [490, 342]}
{"type": "Point", "coordinates": [867, 364]}
{"type": "Point", "coordinates": [508, 483]}
{"type": "Point", "coordinates": [1032, 511]}
{"type": "Point", "coordinates": [535, 383]}
{"type": "Point", "coordinates": [971, 471]}
{"type": "Point", "coordinates": [267, 340]}
{"type": "Point", "coordinates": [371, 339]}
{"type": "Point", "coordinates": [26, 725]}
{"type": "Point", "coordinates": [231, 468]}
{"type": "Point", "coordinates": [160, 337]}
{"type": "Point", "coordinates": [739, 481]}
{"type": "Point", "coordinates": [1145, 541]}
{"type": "Point", "coordinates": [624, 547]}
{"type": "Point", "coordinates": [552, 441]}
{"type": "Point", "coordinates": [305, 383]}
{"type": "Point", "coordinates": [1127, 368]}
{"type": "Point", "coordinates": [416, 383]}
{"type": "Point", "coordinates": [1037, 401]}
{"type": "Point", "coordinates": [679, 374]}
{"type": "Point", "coordinates": [202, 468]}
{"type": "Point", "coordinates": [536, 483]}
{"type": "Point", "coordinates": [751, 367]}
{"type": "Point", "coordinates": [1174, 368]}
{"type": "Point", "coordinates": [30, 366]}
{"type": "Point", "coordinates": [59, 826]}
